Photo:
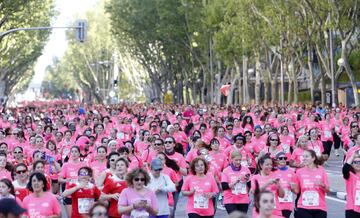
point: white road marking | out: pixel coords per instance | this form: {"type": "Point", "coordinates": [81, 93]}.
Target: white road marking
{"type": "Point", "coordinates": [335, 199]}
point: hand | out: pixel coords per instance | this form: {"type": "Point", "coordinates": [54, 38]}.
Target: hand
{"type": "Point", "coordinates": [157, 191]}
{"type": "Point", "coordinates": [115, 196]}
{"type": "Point", "coordinates": [81, 185]}
{"type": "Point", "coordinates": [192, 191]}
{"type": "Point", "coordinates": [208, 195]}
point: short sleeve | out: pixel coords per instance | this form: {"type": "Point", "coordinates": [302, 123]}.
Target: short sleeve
{"type": "Point", "coordinates": [107, 188]}
{"type": "Point", "coordinates": [214, 186]}
{"type": "Point", "coordinates": [224, 177]}
{"type": "Point", "coordinates": [185, 186]}
{"type": "Point", "coordinates": [123, 201]}
{"type": "Point", "coordinates": [97, 192]}
{"type": "Point", "coordinates": [55, 206]}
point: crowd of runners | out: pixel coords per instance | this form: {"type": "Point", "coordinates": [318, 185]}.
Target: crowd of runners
{"type": "Point", "coordinates": [135, 160]}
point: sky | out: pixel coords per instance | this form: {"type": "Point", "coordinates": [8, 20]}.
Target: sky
{"type": "Point", "coordinates": [57, 43]}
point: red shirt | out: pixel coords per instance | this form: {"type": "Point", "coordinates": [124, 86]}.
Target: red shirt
{"type": "Point", "coordinates": [114, 185]}
{"type": "Point", "coordinates": [83, 199]}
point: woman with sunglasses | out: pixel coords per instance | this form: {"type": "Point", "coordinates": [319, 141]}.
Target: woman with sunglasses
{"type": "Point", "coordinates": [18, 156]}
{"type": "Point", "coordinates": [313, 183]}
{"type": "Point", "coordinates": [288, 182]}
{"type": "Point", "coordinates": [111, 166]}
{"type": "Point", "coordinates": [351, 174]}
{"type": "Point", "coordinates": [201, 188]}
{"type": "Point", "coordinates": [355, 148]}
{"type": "Point", "coordinates": [274, 146]}
{"type": "Point", "coordinates": [114, 185]}
{"type": "Point", "coordinates": [83, 193]}
{"type": "Point", "coordinates": [267, 180]}
{"type": "Point", "coordinates": [234, 181]}
{"type": "Point", "coordinates": [41, 202]}
{"type": "Point", "coordinates": [349, 139]}
{"type": "Point", "coordinates": [219, 160]}
{"type": "Point", "coordinates": [21, 179]}
{"type": "Point", "coordinates": [315, 143]}
{"type": "Point", "coordinates": [137, 200]}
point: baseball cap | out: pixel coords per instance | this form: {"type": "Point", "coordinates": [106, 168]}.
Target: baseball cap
{"type": "Point", "coordinates": [156, 164]}
{"type": "Point", "coordinates": [10, 206]}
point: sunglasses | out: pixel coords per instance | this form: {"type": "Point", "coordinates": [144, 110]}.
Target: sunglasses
{"type": "Point", "coordinates": [158, 144]}
{"type": "Point", "coordinates": [153, 126]}
{"type": "Point", "coordinates": [354, 126]}
{"type": "Point", "coordinates": [168, 142]}
{"type": "Point", "coordinates": [17, 152]}
{"type": "Point", "coordinates": [139, 179]}
{"type": "Point", "coordinates": [229, 128]}
{"type": "Point", "coordinates": [21, 171]}
{"type": "Point", "coordinates": [112, 160]}
{"type": "Point", "coordinates": [274, 140]}
{"type": "Point", "coordinates": [357, 162]}
{"type": "Point", "coordinates": [282, 158]}
{"type": "Point", "coordinates": [158, 170]}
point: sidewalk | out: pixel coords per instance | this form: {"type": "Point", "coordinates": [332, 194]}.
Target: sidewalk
{"type": "Point", "coordinates": [336, 180]}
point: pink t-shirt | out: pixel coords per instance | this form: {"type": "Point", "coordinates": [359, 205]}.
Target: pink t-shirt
{"type": "Point", "coordinates": [351, 151]}
{"type": "Point", "coordinates": [353, 193]}
{"type": "Point", "coordinates": [286, 178]}
{"type": "Point", "coordinates": [311, 196]}
{"type": "Point", "coordinates": [129, 196]}
{"type": "Point", "coordinates": [97, 168]}
{"type": "Point", "coordinates": [181, 162]}
{"type": "Point", "coordinates": [198, 203]}
{"type": "Point", "coordinates": [239, 194]}
{"type": "Point", "coordinates": [297, 155]}
{"type": "Point", "coordinates": [4, 174]}
{"type": "Point", "coordinates": [70, 170]}
{"type": "Point", "coordinates": [45, 206]}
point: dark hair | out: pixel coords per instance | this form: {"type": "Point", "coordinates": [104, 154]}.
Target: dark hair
{"type": "Point", "coordinates": [88, 169]}
{"type": "Point", "coordinates": [197, 159]}
{"type": "Point", "coordinates": [97, 204]}
{"type": "Point", "coordinates": [109, 157]}
{"type": "Point", "coordinates": [170, 162]}
{"type": "Point", "coordinates": [179, 148]}
{"type": "Point", "coordinates": [123, 160]}
{"type": "Point", "coordinates": [134, 173]}
{"type": "Point", "coordinates": [270, 136]}
{"type": "Point", "coordinates": [188, 128]}
{"type": "Point", "coordinates": [9, 184]}
{"type": "Point", "coordinates": [76, 147]}
{"type": "Point", "coordinates": [318, 160]}
{"type": "Point", "coordinates": [50, 141]}
{"type": "Point", "coordinates": [101, 146]}
{"type": "Point", "coordinates": [40, 177]}
{"type": "Point", "coordinates": [257, 195]}
{"type": "Point", "coordinates": [244, 121]}
{"type": "Point", "coordinates": [262, 160]}
{"type": "Point", "coordinates": [38, 162]}
{"type": "Point", "coordinates": [19, 147]}
{"type": "Point", "coordinates": [20, 165]}
{"type": "Point", "coordinates": [239, 137]}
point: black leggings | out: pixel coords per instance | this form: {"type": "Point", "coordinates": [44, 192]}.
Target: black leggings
{"type": "Point", "coordinates": [351, 214]}
{"type": "Point", "coordinates": [337, 141]}
{"type": "Point", "coordinates": [305, 213]}
{"type": "Point", "coordinates": [286, 213]}
{"type": "Point", "coordinates": [194, 215]}
{"type": "Point", "coordinates": [236, 207]}
{"type": "Point", "coordinates": [327, 147]}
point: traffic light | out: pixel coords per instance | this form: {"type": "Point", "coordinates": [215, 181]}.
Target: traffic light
{"type": "Point", "coordinates": [81, 29]}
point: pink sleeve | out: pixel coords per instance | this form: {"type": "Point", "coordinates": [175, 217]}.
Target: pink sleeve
{"type": "Point", "coordinates": [224, 177]}
{"type": "Point", "coordinates": [154, 203]}
{"type": "Point", "coordinates": [186, 187]}
{"type": "Point", "coordinates": [326, 181]}
{"type": "Point", "coordinates": [214, 187]}
{"type": "Point", "coordinates": [63, 171]}
{"type": "Point", "coordinates": [123, 201]}
{"type": "Point", "coordinates": [182, 163]}
{"type": "Point", "coordinates": [56, 206]}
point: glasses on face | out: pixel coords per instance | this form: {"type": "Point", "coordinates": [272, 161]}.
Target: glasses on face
{"type": "Point", "coordinates": [112, 160]}
{"type": "Point", "coordinates": [229, 129]}
{"type": "Point", "coordinates": [153, 126]}
{"type": "Point", "coordinates": [357, 162]}
{"type": "Point", "coordinates": [17, 152]}
{"type": "Point", "coordinates": [282, 158]}
{"type": "Point", "coordinates": [158, 144]}
{"type": "Point", "coordinates": [21, 171]}
{"type": "Point", "coordinates": [274, 140]}
{"type": "Point", "coordinates": [158, 170]}
{"type": "Point", "coordinates": [139, 179]}
{"type": "Point", "coordinates": [168, 142]}
{"type": "Point", "coordinates": [354, 126]}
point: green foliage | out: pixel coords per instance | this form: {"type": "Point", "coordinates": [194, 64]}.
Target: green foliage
{"type": "Point", "coordinates": [20, 50]}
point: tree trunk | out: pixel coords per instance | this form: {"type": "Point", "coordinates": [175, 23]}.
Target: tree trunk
{"type": "Point", "coordinates": [245, 80]}
{"type": "Point", "coordinates": [322, 86]}
{"type": "Point", "coordinates": [240, 87]}
{"type": "Point", "coordinates": [289, 91]}
{"type": "Point", "coordinates": [311, 72]}
{"type": "Point", "coordinates": [349, 72]}
{"type": "Point", "coordinates": [203, 88]}
{"type": "Point", "coordinates": [257, 78]}
{"type": "Point", "coordinates": [273, 91]}
{"type": "Point", "coordinates": [212, 96]}
{"type": "Point", "coordinates": [296, 90]}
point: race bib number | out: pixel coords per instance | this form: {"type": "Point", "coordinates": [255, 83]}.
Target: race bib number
{"type": "Point", "coordinates": [310, 198]}
{"type": "Point", "coordinates": [200, 202]}
{"type": "Point", "coordinates": [327, 134]}
{"type": "Point", "coordinates": [357, 198]}
{"type": "Point", "coordinates": [84, 205]}
{"type": "Point", "coordinates": [139, 214]}
{"type": "Point", "coordinates": [239, 188]}
{"type": "Point", "coordinates": [288, 198]}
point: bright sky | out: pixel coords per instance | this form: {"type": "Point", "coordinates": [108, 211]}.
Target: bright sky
{"type": "Point", "coordinates": [57, 43]}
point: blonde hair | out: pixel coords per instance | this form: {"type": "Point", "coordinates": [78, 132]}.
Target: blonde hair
{"type": "Point", "coordinates": [235, 154]}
